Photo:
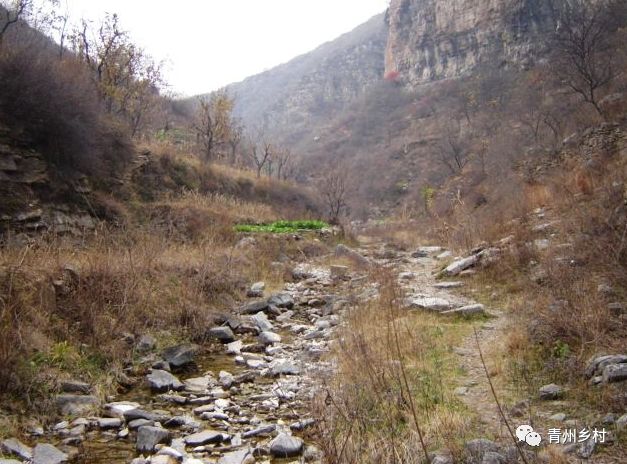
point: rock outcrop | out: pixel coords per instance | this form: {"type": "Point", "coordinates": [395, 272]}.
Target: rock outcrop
{"type": "Point", "coordinates": [435, 39]}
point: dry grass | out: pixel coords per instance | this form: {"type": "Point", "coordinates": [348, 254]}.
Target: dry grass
{"type": "Point", "coordinates": [165, 266]}
{"type": "Point", "coordinates": [395, 371]}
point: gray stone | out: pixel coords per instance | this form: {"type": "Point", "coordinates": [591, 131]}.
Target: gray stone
{"type": "Point", "coordinates": [467, 310]}
{"type": "Point", "coordinates": [444, 255]}
{"type": "Point", "coordinates": [44, 453]}
{"type": "Point", "coordinates": [146, 343]}
{"type": "Point", "coordinates": [75, 386]}
{"type": "Point", "coordinates": [442, 459]}
{"type": "Point", "coordinates": [621, 422]}
{"type": "Point", "coordinates": [163, 459]}
{"type": "Point", "coordinates": [226, 379]}
{"type": "Point", "coordinates": [9, 461]}
{"type": "Point", "coordinates": [199, 384]}
{"type": "Point", "coordinates": [269, 338]}
{"type": "Point", "coordinates": [460, 265]}
{"type": "Point", "coordinates": [243, 456]}
{"type": "Point", "coordinates": [261, 321]}
{"type": "Point", "coordinates": [163, 381]}
{"type": "Point", "coordinates": [551, 392]}
{"type": "Point", "coordinates": [149, 437]}
{"type": "Point", "coordinates": [256, 290]}
{"type": "Point", "coordinates": [204, 437]}
{"type": "Point", "coordinates": [17, 448]}
{"type": "Point", "coordinates": [429, 303]}
{"type": "Point", "coordinates": [284, 367]}
{"type": "Point", "coordinates": [259, 431]}
{"type": "Point", "coordinates": [138, 413]}
{"type": "Point", "coordinates": [597, 364]}
{"type": "Point", "coordinates": [479, 447]}
{"type": "Point", "coordinates": [109, 423]}
{"type": "Point", "coordinates": [448, 285]}
{"type": "Point", "coordinates": [137, 423]}
{"type": "Point", "coordinates": [180, 355]}
{"type": "Point", "coordinates": [302, 425]}
{"type": "Point", "coordinates": [281, 300]}
{"type": "Point", "coordinates": [559, 417]}
{"type": "Point", "coordinates": [223, 334]}
{"type": "Point", "coordinates": [255, 307]}
{"type": "Point", "coordinates": [235, 347]}
{"type": "Point", "coordinates": [75, 405]}
{"type": "Point", "coordinates": [615, 373]}
{"type": "Point", "coordinates": [286, 446]}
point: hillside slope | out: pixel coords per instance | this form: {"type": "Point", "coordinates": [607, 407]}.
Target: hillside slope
{"type": "Point", "coordinates": [292, 99]}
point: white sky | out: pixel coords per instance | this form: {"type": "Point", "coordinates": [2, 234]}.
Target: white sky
{"type": "Point", "coordinates": [208, 44]}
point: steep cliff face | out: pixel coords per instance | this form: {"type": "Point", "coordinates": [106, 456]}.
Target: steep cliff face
{"type": "Point", "coordinates": [436, 39]}
{"type": "Point", "coordinates": [289, 97]}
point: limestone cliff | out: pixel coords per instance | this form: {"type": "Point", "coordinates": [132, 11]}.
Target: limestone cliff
{"type": "Point", "coordinates": [435, 39]}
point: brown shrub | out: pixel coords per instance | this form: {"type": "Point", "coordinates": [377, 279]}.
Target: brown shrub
{"type": "Point", "coordinates": [54, 105]}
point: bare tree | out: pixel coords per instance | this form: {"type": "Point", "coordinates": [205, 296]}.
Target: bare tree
{"type": "Point", "coordinates": [283, 158]}
{"type": "Point", "coordinates": [332, 188]}
{"type": "Point", "coordinates": [583, 42]}
{"type": "Point", "coordinates": [236, 135]}
{"type": "Point", "coordinates": [260, 154]}
{"type": "Point", "coordinates": [15, 11]}
{"type": "Point", "coordinates": [453, 151]}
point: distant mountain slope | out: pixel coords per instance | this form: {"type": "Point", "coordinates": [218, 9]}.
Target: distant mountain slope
{"type": "Point", "coordinates": [304, 91]}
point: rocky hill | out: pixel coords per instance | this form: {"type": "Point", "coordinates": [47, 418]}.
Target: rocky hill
{"type": "Point", "coordinates": [291, 99]}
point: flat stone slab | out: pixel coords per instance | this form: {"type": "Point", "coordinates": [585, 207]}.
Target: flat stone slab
{"type": "Point", "coordinates": [467, 310]}
{"type": "Point", "coordinates": [429, 303]}
{"type": "Point", "coordinates": [447, 285]}
{"type": "Point", "coordinates": [17, 448]}
{"type": "Point", "coordinates": [204, 437]}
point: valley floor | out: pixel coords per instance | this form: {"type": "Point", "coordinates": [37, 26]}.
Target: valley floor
{"type": "Point", "coordinates": [365, 357]}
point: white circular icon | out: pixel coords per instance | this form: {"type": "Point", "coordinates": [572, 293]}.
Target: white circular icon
{"type": "Point", "coordinates": [533, 439]}
{"type": "Point", "coordinates": [522, 431]}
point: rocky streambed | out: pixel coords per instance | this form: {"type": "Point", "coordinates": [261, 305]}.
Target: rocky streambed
{"type": "Point", "coordinates": [244, 400]}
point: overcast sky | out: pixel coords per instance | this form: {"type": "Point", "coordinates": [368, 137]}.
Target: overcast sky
{"type": "Point", "coordinates": [208, 44]}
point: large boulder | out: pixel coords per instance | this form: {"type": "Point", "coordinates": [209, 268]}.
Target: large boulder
{"type": "Point", "coordinates": [286, 446]}
{"type": "Point", "coordinates": [281, 300]}
{"type": "Point", "coordinates": [44, 453]}
{"type": "Point", "coordinates": [75, 405]}
{"type": "Point", "coordinates": [615, 373]}
{"type": "Point", "coordinates": [223, 334]}
{"type": "Point", "coordinates": [180, 355]}
{"type": "Point", "coordinates": [149, 437]}
{"type": "Point", "coordinates": [162, 381]}
{"type": "Point", "coordinates": [269, 338]}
